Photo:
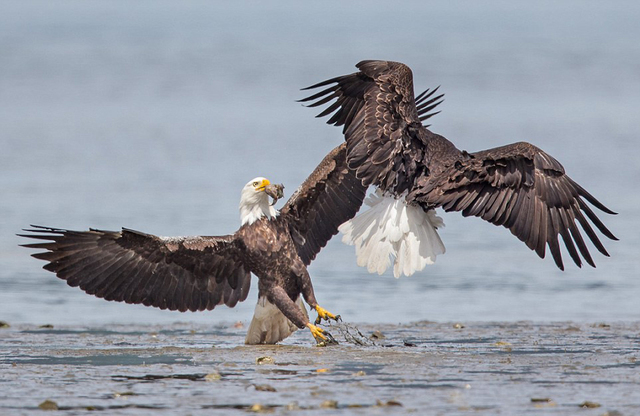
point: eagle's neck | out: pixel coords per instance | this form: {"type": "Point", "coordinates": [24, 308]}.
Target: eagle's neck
{"type": "Point", "coordinates": [255, 205]}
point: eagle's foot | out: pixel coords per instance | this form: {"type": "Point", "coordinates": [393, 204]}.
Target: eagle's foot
{"type": "Point", "coordinates": [321, 336]}
{"type": "Point", "coordinates": [326, 315]}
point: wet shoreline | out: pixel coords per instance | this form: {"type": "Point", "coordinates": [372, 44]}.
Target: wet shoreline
{"type": "Point", "coordinates": [420, 368]}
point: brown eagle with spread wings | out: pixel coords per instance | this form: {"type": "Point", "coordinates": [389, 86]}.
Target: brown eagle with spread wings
{"type": "Point", "coordinates": [517, 186]}
{"type": "Point", "coordinates": [200, 273]}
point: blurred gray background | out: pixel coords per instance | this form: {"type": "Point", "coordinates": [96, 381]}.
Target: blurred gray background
{"type": "Point", "coordinates": [153, 114]}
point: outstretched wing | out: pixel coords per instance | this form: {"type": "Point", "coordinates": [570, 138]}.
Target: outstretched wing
{"type": "Point", "coordinates": [176, 273]}
{"type": "Point", "coordinates": [330, 196]}
{"type": "Point", "coordinates": [381, 119]}
{"type": "Point", "coordinates": [520, 187]}
{"type": "Point", "coordinates": [517, 186]}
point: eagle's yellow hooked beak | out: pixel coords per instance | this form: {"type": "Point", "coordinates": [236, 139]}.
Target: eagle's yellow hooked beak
{"type": "Point", "coordinates": [263, 185]}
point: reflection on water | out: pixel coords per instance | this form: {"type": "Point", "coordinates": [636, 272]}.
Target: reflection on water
{"type": "Point", "coordinates": [152, 116]}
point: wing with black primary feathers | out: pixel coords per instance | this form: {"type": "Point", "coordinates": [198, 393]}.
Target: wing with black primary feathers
{"type": "Point", "coordinates": [176, 273]}
{"type": "Point", "coordinates": [525, 190]}
{"type": "Point", "coordinates": [381, 119]}
{"type": "Point", "coordinates": [330, 196]}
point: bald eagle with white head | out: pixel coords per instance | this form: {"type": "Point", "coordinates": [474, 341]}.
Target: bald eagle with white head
{"type": "Point", "coordinates": [200, 273]}
{"type": "Point", "coordinates": [517, 186]}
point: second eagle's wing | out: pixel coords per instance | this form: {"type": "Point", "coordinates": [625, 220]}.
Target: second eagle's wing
{"type": "Point", "coordinates": [382, 121]}
{"type": "Point", "coordinates": [524, 189]}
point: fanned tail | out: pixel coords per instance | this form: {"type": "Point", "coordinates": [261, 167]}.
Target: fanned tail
{"type": "Point", "coordinates": [392, 230]}
{"type": "Point", "coordinates": [269, 325]}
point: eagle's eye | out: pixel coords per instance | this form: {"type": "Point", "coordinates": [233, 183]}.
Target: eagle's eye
{"type": "Point", "coordinates": [256, 183]}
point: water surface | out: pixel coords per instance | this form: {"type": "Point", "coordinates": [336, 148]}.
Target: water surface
{"type": "Point", "coordinates": [153, 115]}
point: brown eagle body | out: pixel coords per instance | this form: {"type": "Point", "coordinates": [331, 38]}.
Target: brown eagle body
{"type": "Point", "coordinates": [517, 186]}
{"type": "Point", "coordinates": [199, 273]}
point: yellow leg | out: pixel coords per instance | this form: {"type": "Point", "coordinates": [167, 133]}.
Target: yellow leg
{"type": "Point", "coordinates": [325, 314]}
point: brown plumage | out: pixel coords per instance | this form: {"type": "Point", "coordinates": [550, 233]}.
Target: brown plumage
{"type": "Point", "coordinates": [517, 186]}
{"type": "Point", "coordinates": [199, 273]}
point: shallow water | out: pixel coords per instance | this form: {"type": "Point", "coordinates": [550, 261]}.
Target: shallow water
{"type": "Point", "coordinates": [420, 368]}
{"type": "Point", "coordinates": [153, 115]}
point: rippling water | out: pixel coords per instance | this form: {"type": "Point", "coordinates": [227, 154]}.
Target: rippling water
{"type": "Point", "coordinates": [424, 368]}
{"type": "Point", "coordinates": [152, 115]}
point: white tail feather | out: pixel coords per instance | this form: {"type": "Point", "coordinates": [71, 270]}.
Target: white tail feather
{"type": "Point", "coordinates": [269, 325]}
{"type": "Point", "coordinates": [391, 229]}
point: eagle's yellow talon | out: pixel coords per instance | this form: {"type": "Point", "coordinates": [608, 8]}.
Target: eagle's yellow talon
{"type": "Point", "coordinates": [322, 337]}
{"type": "Point", "coordinates": [325, 314]}
{"type": "Point", "coordinates": [318, 333]}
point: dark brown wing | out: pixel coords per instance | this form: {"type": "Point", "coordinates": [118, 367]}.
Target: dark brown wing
{"type": "Point", "coordinates": [330, 196]}
{"type": "Point", "coordinates": [524, 189]}
{"type": "Point", "coordinates": [382, 124]}
{"type": "Point", "coordinates": [176, 273]}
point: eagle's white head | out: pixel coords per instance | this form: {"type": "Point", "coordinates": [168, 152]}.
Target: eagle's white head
{"type": "Point", "coordinates": [254, 201]}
